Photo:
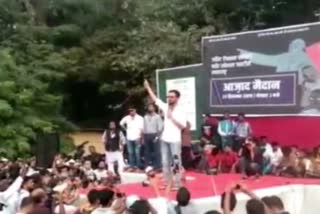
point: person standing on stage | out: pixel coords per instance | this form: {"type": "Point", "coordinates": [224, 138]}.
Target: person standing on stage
{"type": "Point", "coordinates": [242, 131]}
{"type": "Point", "coordinates": [226, 130]}
{"type": "Point", "coordinates": [113, 140]}
{"type": "Point", "coordinates": [152, 129]}
{"type": "Point", "coordinates": [133, 124]}
{"type": "Point", "coordinates": [175, 121]}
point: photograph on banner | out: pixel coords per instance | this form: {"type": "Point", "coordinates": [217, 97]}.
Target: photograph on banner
{"type": "Point", "coordinates": [288, 56]}
{"type": "Point", "coordinates": [187, 88]}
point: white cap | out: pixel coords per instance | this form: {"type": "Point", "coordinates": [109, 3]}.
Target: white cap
{"type": "Point", "coordinates": [148, 169]}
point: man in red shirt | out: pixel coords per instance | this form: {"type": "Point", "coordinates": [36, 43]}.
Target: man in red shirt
{"type": "Point", "coordinates": [227, 160]}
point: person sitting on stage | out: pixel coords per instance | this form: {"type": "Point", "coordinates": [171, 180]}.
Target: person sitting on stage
{"type": "Point", "coordinates": [291, 165]}
{"type": "Point", "coordinates": [250, 159]}
{"type": "Point", "coordinates": [272, 157]}
{"type": "Point", "coordinates": [209, 161]}
{"type": "Point", "coordinates": [314, 169]}
{"type": "Point", "coordinates": [228, 160]}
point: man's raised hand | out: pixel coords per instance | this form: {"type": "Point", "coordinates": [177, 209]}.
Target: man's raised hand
{"type": "Point", "coordinates": [146, 84]}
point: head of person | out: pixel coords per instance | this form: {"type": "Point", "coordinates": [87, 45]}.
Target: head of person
{"type": "Point", "coordinates": [101, 165]}
{"type": "Point", "coordinates": [112, 125]}
{"type": "Point", "coordinates": [140, 207]}
{"type": "Point", "coordinates": [106, 197]}
{"type": "Point", "coordinates": [39, 196]}
{"type": "Point", "coordinates": [132, 111]}
{"type": "Point", "coordinates": [233, 201]}
{"type": "Point", "coordinates": [151, 108]}
{"type": "Point", "coordinates": [45, 177]}
{"type": "Point", "coordinates": [94, 197]}
{"type": "Point", "coordinates": [215, 151]}
{"type": "Point", "coordinates": [275, 146]}
{"type": "Point", "coordinates": [206, 118]}
{"type": "Point", "coordinates": [297, 45]}
{"type": "Point", "coordinates": [274, 203]}
{"type": "Point", "coordinates": [315, 98]}
{"type": "Point", "coordinates": [27, 205]}
{"type": "Point", "coordinates": [183, 197]}
{"type": "Point", "coordinates": [226, 115]}
{"type": "Point", "coordinates": [255, 206]}
{"type": "Point", "coordinates": [241, 117]}
{"type": "Point", "coordinates": [173, 97]}
{"type": "Point", "coordinates": [316, 151]}
{"type": "Point", "coordinates": [87, 165]}
{"type": "Point", "coordinates": [28, 183]}
{"type": "Point", "coordinates": [207, 131]}
{"type": "Point", "coordinates": [92, 150]}
{"type": "Point", "coordinates": [264, 140]}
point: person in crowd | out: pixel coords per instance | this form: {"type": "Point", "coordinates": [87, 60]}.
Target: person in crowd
{"type": "Point", "coordinates": [250, 159]}
{"type": "Point", "coordinates": [94, 157]}
{"type": "Point", "coordinates": [88, 170]}
{"type": "Point", "coordinates": [253, 206]}
{"type": "Point", "coordinates": [106, 200]}
{"type": "Point", "coordinates": [40, 199]}
{"type": "Point", "coordinates": [314, 169]}
{"type": "Point", "coordinates": [273, 158]}
{"type": "Point", "coordinates": [141, 206]}
{"type": "Point", "coordinates": [114, 140]}
{"type": "Point", "coordinates": [183, 202]}
{"type": "Point", "coordinates": [175, 121]}
{"type": "Point", "coordinates": [93, 202]}
{"type": "Point", "coordinates": [228, 160]}
{"type": "Point", "coordinates": [275, 204]}
{"type": "Point", "coordinates": [133, 124]}
{"type": "Point", "coordinates": [153, 126]}
{"type": "Point", "coordinates": [26, 206]}
{"type": "Point", "coordinates": [226, 130]}
{"type": "Point", "coordinates": [11, 198]}
{"type": "Point", "coordinates": [101, 171]}
{"type": "Point", "coordinates": [232, 201]}
{"type": "Point", "coordinates": [242, 131]}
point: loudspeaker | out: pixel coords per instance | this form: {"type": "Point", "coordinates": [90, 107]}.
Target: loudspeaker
{"type": "Point", "coordinates": [47, 146]}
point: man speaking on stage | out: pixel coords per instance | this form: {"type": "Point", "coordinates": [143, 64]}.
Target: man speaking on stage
{"type": "Point", "coordinates": [175, 121]}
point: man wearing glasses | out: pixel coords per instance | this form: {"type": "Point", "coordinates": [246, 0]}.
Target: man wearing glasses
{"type": "Point", "coordinates": [175, 121]}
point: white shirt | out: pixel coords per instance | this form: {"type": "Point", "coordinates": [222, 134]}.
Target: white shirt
{"type": "Point", "coordinates": [102, 211]}
{"type": "Point", "coordinates": [275, 157]}
{"type": "Point", "coordinates": [172, 133]}
{"type": "Point", "coordinates": [100, 174]}
{"type": "Point", "coordinates": [134, 126]}
{"type": "Point", "coordinates": [10, 197]}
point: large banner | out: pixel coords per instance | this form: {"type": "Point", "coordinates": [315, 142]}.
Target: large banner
{"type": "Point", "coordinates": [268, 72]}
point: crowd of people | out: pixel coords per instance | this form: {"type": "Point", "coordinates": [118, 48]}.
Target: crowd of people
{"type": "Point", "coordinates": [158, 145]}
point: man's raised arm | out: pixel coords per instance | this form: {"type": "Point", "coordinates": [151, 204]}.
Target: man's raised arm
{"type": "Point", "coordinates": [150, 91]}
{"type": "Point", "coordinates": [153, 96]}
